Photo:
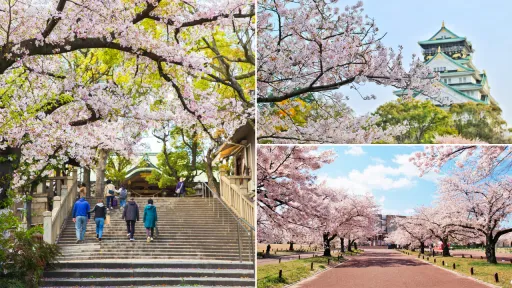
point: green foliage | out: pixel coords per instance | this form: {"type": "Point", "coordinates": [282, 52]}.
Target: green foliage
{"type": "Point", "coordinates": [23, 254]}
{"type": "Point", "coordinates": [479, 121]}
{"type": "Point", "coordinates": [422, 119]}
{"type": "Point", "coordinates": [293, 271]}
{"type": "Point", "coordinates": [181, 160]}
{"type": "Point", "coordinates": [117, 167]}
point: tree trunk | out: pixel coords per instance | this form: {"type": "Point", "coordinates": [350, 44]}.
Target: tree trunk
{"type": "Point", "coordinates": [28, 205]}
{"type": "Point", "coordinates": [212, 181]}
{"type": "Point", "coordinates": [87, 181]}
{"type": "Point", "coordinates": [327, 244]}
{"type": "Point", "coordinates": [342, 241]}
{"type": "Point", "coordinates": [355, 245]}
{"type": "Point", "coordinates": [268, 250]}
{"type": "Point", "coordinates": [100, 172]}
{"type": "Point", "coordinates": [422, 247]}
{"type": "Point", "coordinates": [349, 247]}
{"type": "Point", "coordinates": [7, 168]}
{"type": "Point", "coordinates": [291, 246]}
{"type": "Point", "coordinates": [490, 250]}
{"type": "Point", "coordinates": [446, 249]}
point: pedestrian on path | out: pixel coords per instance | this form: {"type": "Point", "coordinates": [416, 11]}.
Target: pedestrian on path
{"type": "Point", "coordinates": [81, 216]}
{"type": "Point", "coordinates": [180, 188]}
{"type": "Point", "coordinates": [149, 218]}
{"type": "Point", "coordinates": [123, 194]}
{"type": "Point", "coordinates": [131, 215]}
{"type": "Point", "coordinates": [100, 214]}
{"type": "Point", "coordinates": [110, 192]}
{"type": "Point", "coordinates": [83, 190]}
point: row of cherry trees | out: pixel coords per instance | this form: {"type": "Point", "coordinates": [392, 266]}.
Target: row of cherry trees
{"type": "Point", "coordinates": [294, 207]}
{"type": "Point", "coordinates": [80, 78]}
{"type": "Point", "coordinates": [475, 199]}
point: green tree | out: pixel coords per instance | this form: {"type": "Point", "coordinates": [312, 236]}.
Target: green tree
{"type": "Point", "coordinates": [422, 120]}
{"type": "Point", "coordinates": [181, 156]}
{"type": "Point", "coordinates": [117, 167]}
{"type": "Point", "coordinates": [479, 121]}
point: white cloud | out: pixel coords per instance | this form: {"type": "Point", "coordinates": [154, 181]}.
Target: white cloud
{"type": "Point", "coordinates": [408, 211]}
{"type": "Point", "coordinates": [405, 212]}
{"type": "Point", "coordinates": [378, 160]}
{"type": "Point", "coordinates": [382, 199]}
{"type": "Point", "coordinates": [354, 151]}
{"type": "Point", "coordinates": [410, 170]}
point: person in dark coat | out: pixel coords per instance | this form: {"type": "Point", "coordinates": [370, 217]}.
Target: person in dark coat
{"type": "Point", "coordinates": [149, 218]}
{"type": "Point", "coordinates": [180, 188]}
{"type": "Point", "coordinates": [131, 215]}
{"type": "Point", "coordinates": [100, 214]}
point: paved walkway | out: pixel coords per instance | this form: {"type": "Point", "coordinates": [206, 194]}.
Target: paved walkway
{"type": "Point", "coordinates": [388, 268]}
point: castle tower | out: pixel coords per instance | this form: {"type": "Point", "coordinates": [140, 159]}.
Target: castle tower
{"type": "Point", "coordinates": [451, 56]}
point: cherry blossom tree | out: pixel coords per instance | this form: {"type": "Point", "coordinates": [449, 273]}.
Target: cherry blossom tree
{"type": "Point", "coordinates": [416, 231]}
{"type": "Point", "coordinates": [286, 189]}
{"type": "Point", "coordinates": [438, 222]}
{"type": "Point", "coordinates": [58, 111]}
{"type": "Point", "coordinates": [313, 48]}
{"type": "Point", "coordinates": [480, 203]}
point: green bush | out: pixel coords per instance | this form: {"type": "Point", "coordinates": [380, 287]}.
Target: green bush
{"type": "Point", "coordinates": [24, 255]}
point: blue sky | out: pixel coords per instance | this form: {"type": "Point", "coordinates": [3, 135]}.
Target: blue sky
{"type": "Point", "coordinates": [385, 172]}
{"type": "Point", "coordinates": [485, 23]}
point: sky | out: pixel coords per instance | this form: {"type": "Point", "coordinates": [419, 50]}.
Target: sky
{"type": "Point", "coordinates": [385, 172]}
{"type": "Point", "coordinates": [484, 23]}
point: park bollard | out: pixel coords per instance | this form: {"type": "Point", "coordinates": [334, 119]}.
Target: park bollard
{"type": "Point", "coordinates": [423, 257]}
{"type": "Point", "coordinates": [280, 274]}
{"type": "Point", "coordinates": [434, 260]}
{"type": "Point", "coordinates": [311, 266]}
{"type": "Point", "coordinates": [427, 258]}
{"type": "Point", "coordinates": [453, 265]}
{"type": "Point", "coordinates": [496, 277]}
{"type": "Point", "coordinates": [279, 260]}
{"type": "Point", "coordinates": [472, 272]}
{"type": "Point", "coordinates": [275, 252]}
{"type": "Point", "coordinates": [299, 256]}
{"type": "Point", "coordinates": [328, 262]}
{"type": "Point", "coordinates": [470, 256]}
{"type": "Point", "coordinates": [443, 262]}
{"type": "Point", "coordinates": [481, 257]}
{"type": "Point", "coordinates": [463, 256]}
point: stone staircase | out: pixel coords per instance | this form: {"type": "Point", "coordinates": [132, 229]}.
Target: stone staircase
{"type": "Point", "coordinates": [197, 246]}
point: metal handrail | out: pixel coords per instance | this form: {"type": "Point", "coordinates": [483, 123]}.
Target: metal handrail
{"type": "Point", "coordinates": [239, 221]}
{"type": "Point", "coordinates": [131, 191]}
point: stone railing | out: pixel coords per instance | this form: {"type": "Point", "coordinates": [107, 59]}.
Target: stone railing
{"type": "Point", "coordinates": [234, 192]}
{"type": "Point", "coordinates": [62, 206]}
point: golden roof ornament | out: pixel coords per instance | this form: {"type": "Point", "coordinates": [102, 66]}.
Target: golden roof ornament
{"type": "Point", "coordinates": [439, 49]}
{"type": "Point", "coordinates": [443, 23]}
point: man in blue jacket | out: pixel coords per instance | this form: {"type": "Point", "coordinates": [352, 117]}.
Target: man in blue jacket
{"type": "Point", "coordinates": [81, 216]}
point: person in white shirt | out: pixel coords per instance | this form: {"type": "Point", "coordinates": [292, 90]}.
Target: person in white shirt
{"type": "Point", "coordinates": [110, 192]}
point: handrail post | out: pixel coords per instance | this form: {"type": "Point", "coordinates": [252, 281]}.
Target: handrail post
{"type": "Point", "coordinates": [239, 242]}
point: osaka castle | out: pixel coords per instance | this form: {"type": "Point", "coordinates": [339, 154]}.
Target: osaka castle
{"type": "Point", "coordinates": [460, 81]}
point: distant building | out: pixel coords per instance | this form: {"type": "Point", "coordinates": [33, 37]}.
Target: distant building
{"type": "Point", "coordinates": [452, 56]}
{"type": "Point", "coordinates": [385, 225]}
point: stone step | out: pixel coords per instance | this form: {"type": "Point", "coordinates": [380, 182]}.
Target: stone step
{"type": "Point", "coordinates": [209, 281]}
{"type": "Point", "coordinates": [148, 272]}
{"type": "Point", "coordinates": [146, 257]}
{"type": "Point", "coordinates": [154, 264]}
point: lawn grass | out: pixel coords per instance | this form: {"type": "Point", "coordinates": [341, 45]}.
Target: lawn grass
{"type": "Point", "coordinates": [482, 270]}
{"type": "Point", "coordinates": [293, 271]}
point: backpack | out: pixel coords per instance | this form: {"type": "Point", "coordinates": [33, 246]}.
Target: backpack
{"type": "Point", "coordinates": [111, 192]}
{"type": "Point", "coordinates": [123, 194]}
